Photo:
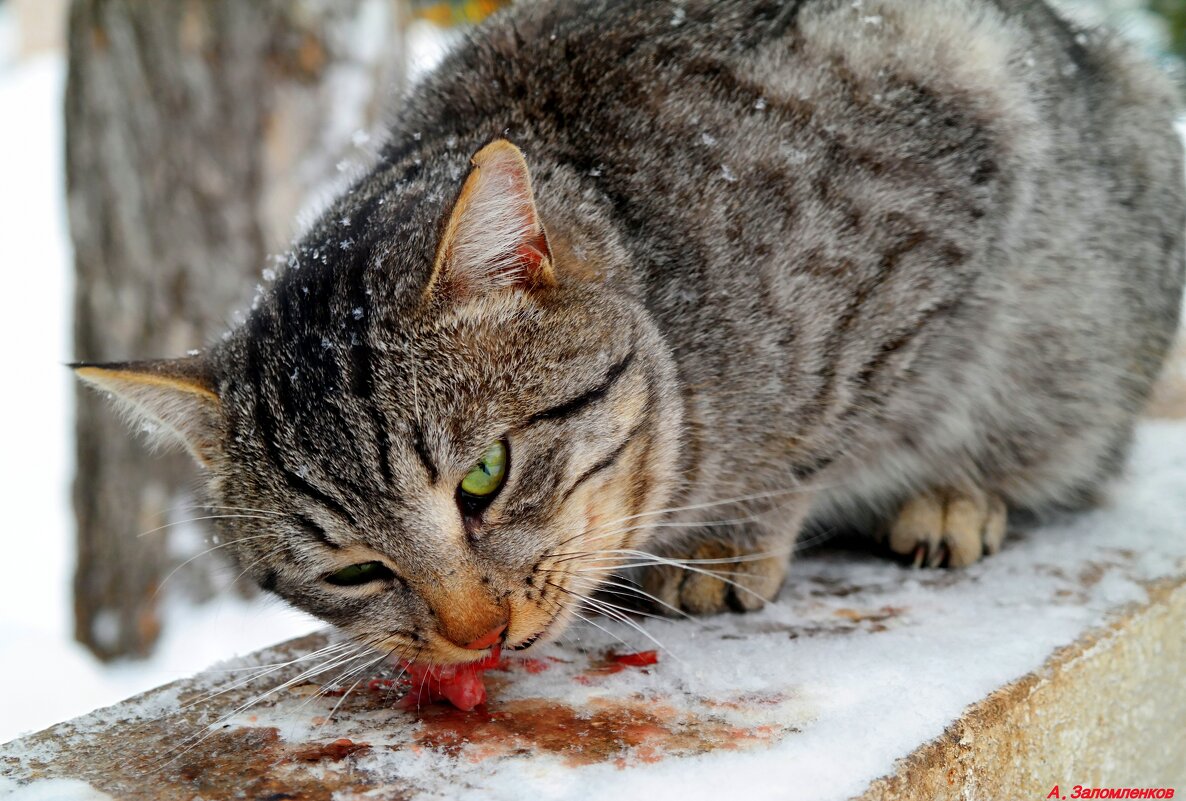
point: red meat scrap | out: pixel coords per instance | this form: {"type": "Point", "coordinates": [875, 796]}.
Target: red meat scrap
{"type": "Point", "coordinates": [460, 685]}
{"type": "Point", "coordinates": [640, 659]}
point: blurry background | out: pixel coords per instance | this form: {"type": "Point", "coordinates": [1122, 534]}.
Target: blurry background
{"type": "Point", "coordinates": [187, 139]}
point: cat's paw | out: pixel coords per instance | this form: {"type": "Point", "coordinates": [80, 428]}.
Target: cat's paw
{"type": "Point", "coordinates": [951, 528]}
{"type": "Point", "coordinates": [719, 577]}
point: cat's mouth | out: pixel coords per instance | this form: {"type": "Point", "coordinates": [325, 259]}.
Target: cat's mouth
{"type": "Point", "coordinates": [541, 634]}
{"type": "Point", "coordinates": [530, 641]}
{"type": "Point", "coordinates": [552, 627]}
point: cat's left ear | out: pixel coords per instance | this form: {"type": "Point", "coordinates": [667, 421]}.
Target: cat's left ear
{"type": "Point", "coordinates": [494, 239]}
{"type": "Point", "coordinates": [171, 398]}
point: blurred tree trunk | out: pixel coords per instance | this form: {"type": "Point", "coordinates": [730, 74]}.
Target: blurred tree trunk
{"type": "Point", "coordinates": [195, 131]}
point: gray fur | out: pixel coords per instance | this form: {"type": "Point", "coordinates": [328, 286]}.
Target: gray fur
{"type": "Point", "coordinates": [859, 250]}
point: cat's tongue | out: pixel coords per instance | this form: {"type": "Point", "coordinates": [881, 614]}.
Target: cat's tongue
{"type": "Point", "coordinates": [460, 685]}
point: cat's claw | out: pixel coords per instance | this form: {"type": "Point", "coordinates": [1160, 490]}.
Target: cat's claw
{"type": "Point", "coordinates": [711, 587]}
{"type": "Point", "coordinates": [951, 528]}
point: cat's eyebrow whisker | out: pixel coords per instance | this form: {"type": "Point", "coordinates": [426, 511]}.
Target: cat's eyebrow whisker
{"type": "Point", "coordinates": [196, 519]}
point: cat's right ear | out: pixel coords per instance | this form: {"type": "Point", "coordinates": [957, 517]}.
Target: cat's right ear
{"type": "Point", "coordinates": [494, 239]}
{"type": "Point", "coordinates": [173, 399]}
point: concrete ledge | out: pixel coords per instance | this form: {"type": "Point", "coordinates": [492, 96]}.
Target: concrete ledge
{"type": "Point", "coordinates": [1108, 711]}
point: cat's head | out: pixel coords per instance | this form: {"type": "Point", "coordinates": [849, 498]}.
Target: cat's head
{"type": "Point", "coordinates": [432, 446]}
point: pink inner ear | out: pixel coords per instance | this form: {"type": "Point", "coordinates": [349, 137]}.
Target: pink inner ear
{"type": "Point", "coordinates": [531, 255]}
{"type": "Point", "coordinates": [495, 239]}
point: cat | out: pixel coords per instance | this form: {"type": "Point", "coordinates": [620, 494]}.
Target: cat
{"type": "Point", "coordinates": [655, 285]}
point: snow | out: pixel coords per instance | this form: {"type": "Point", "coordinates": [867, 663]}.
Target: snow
{"type": "Point", "coordinates": [36, 463]}
{"type": "Point", "coordinates": [52, 790]}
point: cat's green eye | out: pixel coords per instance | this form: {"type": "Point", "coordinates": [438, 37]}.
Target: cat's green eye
{"type": "Point", "coordinates": [362, 573]}
{"type": "Point", "coordinates": [487, 475]}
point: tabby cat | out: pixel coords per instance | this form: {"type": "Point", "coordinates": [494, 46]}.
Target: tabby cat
{"type": "Point", "coordinates": [640, 284]}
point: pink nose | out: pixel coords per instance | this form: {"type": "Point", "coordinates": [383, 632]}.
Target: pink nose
{"type": "Point", "coordinates": [487, 639]}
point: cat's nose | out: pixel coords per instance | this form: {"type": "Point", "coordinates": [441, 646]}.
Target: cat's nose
{"type": "Point", "coordinates": [473, 626]}
{"type": "Point", "coordinates": [486, 640]}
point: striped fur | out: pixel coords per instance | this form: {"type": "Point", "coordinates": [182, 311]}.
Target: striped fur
{"type": "Point", "coordinates": [820, 252]}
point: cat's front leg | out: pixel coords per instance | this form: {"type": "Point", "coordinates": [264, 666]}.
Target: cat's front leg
{"type": "Point", "coordinates": [740, 569]}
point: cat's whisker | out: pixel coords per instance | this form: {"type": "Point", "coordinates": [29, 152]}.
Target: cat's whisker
{"type": "Point", "coordinates": [267, 670]}
{"type": "Point", "coordinates": [704, 571]}
{"type": "Point", "coordinates": [667, 524]}
{"type": "Point", "coordinates": [203, 507]}
{"type": "Point", "coordinates": [709, 505]}
{"type": "Point", "coordinates": [245, 570]}
{"type": "Point", "coordinates": [804, 543]}
{"type": "Point", "coordinates": [173, 572]}
{"type": "Point", "coordinates": [599, 532]}
{"type": "Point", "coordinates": [330, 664]}
{"type": "Point", "coordinates": [197, 519]}
{"type": "Point", "coordinates": [630, 588]}
{"type": "Point", "coordinates": [329, 654]}
{"type": "Point", "coordinates": [344, 676]}
{"type": "Point", "coordinates": [589, 621]}
{"type": "Point", "coordinates": [652, 559]}
{"type": "Point", "coordinates": [330, 715]}
{"type": "Point", "coordinates": [596, 598]}
{"type": "Point", "coordinates": [616, 615]}
{"type": "Point", "coordinates": [611, 554]}
{"type": "Point", "coordinates": [611, 611]}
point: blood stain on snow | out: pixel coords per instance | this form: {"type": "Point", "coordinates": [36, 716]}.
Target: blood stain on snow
{"type": "Point", "coordinates": [248, 762]}
{"type": "Point", "coordinates": [616, 663]}
{"type": "Point", "coordinates": [873, 616]}
{"type": "Point", "coordinates": [604, 731]}
{"type": "Point", "coordinates": [335, 751]}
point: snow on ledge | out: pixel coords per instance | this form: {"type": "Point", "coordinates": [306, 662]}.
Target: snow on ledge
{"type": "Point", "coordinates": [859, 663]}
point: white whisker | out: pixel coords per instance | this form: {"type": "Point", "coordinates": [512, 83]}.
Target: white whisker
{"type": "Point", "coordinates": [196, 519]}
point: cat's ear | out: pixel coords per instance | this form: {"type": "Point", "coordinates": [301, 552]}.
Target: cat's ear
{"type": "Point", "coordinates": [170, 398]}
{"type": "Point", "coordinates": [494, 239]}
